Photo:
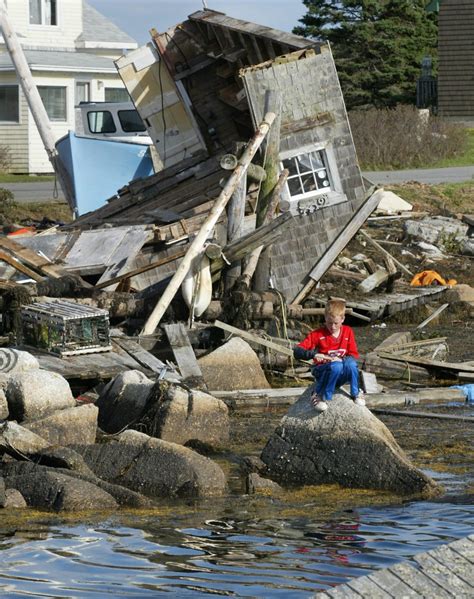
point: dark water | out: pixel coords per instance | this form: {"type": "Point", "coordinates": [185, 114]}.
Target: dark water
{"type": "Point", "coordinates": [242, 547]}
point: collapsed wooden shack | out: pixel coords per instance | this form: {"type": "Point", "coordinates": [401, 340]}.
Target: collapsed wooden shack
{"type": "Point", "coordinates": [292, 203]}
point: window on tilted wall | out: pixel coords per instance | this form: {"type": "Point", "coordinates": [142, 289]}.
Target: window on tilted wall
{"type": "Point", "coordinates": [43, 12]}
{"type": "Point", "coordinates": [308, 174]}
{"type": "Point", "coordinates": [54, 100]}
{"type": "Point", "coordinates": [116, 94]}
{"type": "Point", "coordinates": [9, 104]}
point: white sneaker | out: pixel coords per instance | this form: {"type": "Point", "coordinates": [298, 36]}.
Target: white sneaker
{"type": "Point", "coordinates": [359, 400]}
{"type": "Point", "coordinates": [319, 404]}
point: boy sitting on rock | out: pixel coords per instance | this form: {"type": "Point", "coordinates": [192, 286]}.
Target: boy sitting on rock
{"type": "Point", "coordinates": [334, 351]}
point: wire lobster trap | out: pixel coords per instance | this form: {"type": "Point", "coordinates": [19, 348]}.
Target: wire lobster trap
{"type": "Point", "coordinates": [65, 328]}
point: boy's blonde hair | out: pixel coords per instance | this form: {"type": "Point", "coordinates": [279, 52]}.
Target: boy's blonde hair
{"type": "Point", "coordinates": [335, 307]}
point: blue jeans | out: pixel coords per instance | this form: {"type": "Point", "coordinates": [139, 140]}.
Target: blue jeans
{"type": "Point", "coordinates": [334, 374]}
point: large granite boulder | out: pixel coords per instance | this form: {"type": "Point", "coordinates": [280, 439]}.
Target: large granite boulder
{"type": "Point", "coordinates": [179, 415]}
{"type": "Point", "coordinates": [35, 393]}
{"type": "Point", "coordinates": [346, 444]}
{"type": "Point", "coordinates": [154, 467]}
{"type": "Point", "coordinates": [49, 488]}
{"type": "Point", "coordinates": [3, 405]}
{"type": "Point", "coordinates": [123, 400]}
{"type": "Point", "coordinates": [67, 427]}
{"type": "Point", "coordinates": [233, 366]}
{"type": "Point", "coordinates": [15, 360]}
{"type": "Point", "coordinates": [18, 441]}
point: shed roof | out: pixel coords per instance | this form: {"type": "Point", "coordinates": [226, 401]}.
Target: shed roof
{"type": "Point", "coordinates": [97, 28]}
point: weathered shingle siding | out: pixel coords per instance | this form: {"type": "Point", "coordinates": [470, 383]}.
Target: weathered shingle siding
{"type": "Point", "coordinates": [456, 59]}
{"type": "Point", "coordinates": [309, 87]}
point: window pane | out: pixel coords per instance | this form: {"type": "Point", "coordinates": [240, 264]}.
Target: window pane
{"type": "Point", "coordinates": [131, 121]}
{"type": "Point", "coordinates": [54, 100]}
{"type": "Point", "coordinates": [9, 109]}
{"type": "Point", "coordinates": [101, 122]}
{"type": "Point", "coordinates": [50, 12]}
{"type": "Point", "coordinates": [82, 92]}
{"type": "Point", "coordinates": [312, 178]}
{"type": "Point", "coordinates": [116, 94]}
{"type": "Point", "coordinates": [35, 12]}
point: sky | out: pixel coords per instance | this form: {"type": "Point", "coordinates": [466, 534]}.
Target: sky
{"type": "Point", "coordinates": [137, 17]}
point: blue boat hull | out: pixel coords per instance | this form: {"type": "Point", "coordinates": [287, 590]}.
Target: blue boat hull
{"type": "Point", "coordinates": [98, 168]}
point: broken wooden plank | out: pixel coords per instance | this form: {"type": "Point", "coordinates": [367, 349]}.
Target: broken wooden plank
{"type": "Point", "coordinates": [17, 265]}
{"type": "Point", "coordinates": [197, 245]}
{"type": "Point", "coordinates": [384, 252]}
{"type": "Point", "coordinates": [183, 351]}
{"type": "Point", "coordinates": [327, 259]}
{"type": "Point", "coordinates": [433, 415]}
{"type": "Point", "coordinates": [250, 337]}
{"type": "Point", "coordinates": [437, 364]}
{"type": "Point", "coordinates": [373, 281]}
{"type": "Point", "coordinates": [436, 313]}
{"type": "Point", "coordinates": [31, 259]}
{"type": "Point", "coordinates": [143, 357]}
{"type": "Point", "coordinates": [142, 269]}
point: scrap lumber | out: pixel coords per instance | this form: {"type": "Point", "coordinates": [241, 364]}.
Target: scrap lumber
{"type": "Point", "coordinates": [452, 367]}
{"type": "Point", "coordinates": [326, 260]}
{"type": "Point", "coordinates": [432, 316]}
{"type": "Point", "coordinates": [434, 415]}
{"type": "Point", "coordinates": [143, 357]}
{"type": "Point", "coordinates": [254, 338]}
{"type": "Point", "coordinates": [6, 257]}
{"type": "Point", "coordinates": [183, 351]}
{"type": "Point", "coordinates": [384, 252]}
{"type": "Point", "coordinates": [198, 243]}
{"type": "Point", "coordinates": [282, 397]}
{"type": "Point", "coordinates": [32, 260]}
{"type": "Point", "coordinates": [374, 280]}
{"type": "Point", "coordinates": [142, 269]}
{"type": "Point", "coordinates": [403, 348]}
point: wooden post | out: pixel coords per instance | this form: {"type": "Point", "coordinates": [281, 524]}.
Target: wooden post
{"type": "Point", "coordinates": [235, 223]}
{"type": "Point", "coordinates": [270, 214]}
{"type": "Point", "coordinates": [34, 102]}
{"type": "Point", "coordinates": [272, 168]}
{"type": "Point", "coordinates": [206, 229]}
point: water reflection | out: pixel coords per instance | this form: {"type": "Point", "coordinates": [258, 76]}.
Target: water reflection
{"type": "Point", "coordinates": [216, 549]}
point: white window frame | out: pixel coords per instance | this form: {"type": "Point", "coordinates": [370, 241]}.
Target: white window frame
{"type": "Point", "coordinates": [62, 120]}
{"type": "Point", "coordinates": [329, 165]}
{"type": "Point", "coordinates": [43, 11]}
{"type": "Point", "coordinates": [86, 85]}
{"type": "Point", "coordinates": [17, 104]}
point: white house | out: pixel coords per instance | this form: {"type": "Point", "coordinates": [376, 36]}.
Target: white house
{"type": "Point", "coordinates": [70, 48]}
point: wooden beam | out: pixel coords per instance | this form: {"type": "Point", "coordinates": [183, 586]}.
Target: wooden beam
{"type": "Point", "coordinates": [198, 243]}
{"type": "Point", "coordinates": [432, 316]}
{"type": "Point", "coordinates": [383, 251]}
{"type": "Point", "coordinates": [327, 259]}
{"type": "Point", "coordinates": [183, 351]}
{"type": "Point", "coordinates": [246, 335]}
{"type": "Point", "coordinates": [20, 267]}
{"type": "Point", "coordinates": [138, 271]}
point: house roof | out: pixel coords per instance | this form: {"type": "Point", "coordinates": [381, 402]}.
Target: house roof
{"type": "Point", "coordinates": [46, 60]}
{"type": "Point", "coordinates": [99, 29]}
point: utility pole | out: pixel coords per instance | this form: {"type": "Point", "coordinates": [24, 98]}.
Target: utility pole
{"type": "Point", "coordinates": [35, 103]}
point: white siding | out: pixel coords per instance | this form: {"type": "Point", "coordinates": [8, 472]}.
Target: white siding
{"type": "Point", "coordinates": [62, 35]}
{"type": "Point", "coordinates": [15, 135]}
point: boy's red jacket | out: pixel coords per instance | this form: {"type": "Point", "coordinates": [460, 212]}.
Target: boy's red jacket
{"type": "Point", "coordinates": [323, 342]}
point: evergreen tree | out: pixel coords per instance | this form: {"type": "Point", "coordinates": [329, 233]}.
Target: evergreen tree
{"type": "Point", "coordinates": [377, 46]}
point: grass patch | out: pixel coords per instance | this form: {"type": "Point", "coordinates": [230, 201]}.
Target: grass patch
{"type": "Point", "coordinates": [454, 197]}
{"type": "Point", "coordinates": [465, 159]}
{"type": "Point", "coordinates": [24, 213]}
{"type": "Point", "coordinates": [8, 178]}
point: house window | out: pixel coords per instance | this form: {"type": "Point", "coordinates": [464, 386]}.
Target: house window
{"type": "Point", "coordinates": [308, 174]}
{"type": "Point", "coordinates": [54, 100]}
{"type": "Point", "coordinates": [9, 104]}
{"type": "Point", "coordinates": [101, 121]}
{"type": "Point", "coordinates": [131, 121]}
{"type": "Point", "coordinates": [116, 94]}
{"type": "Point", "coordinates": [82, 91]}
{"type": "Point", "coordinates": [43, 12]}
